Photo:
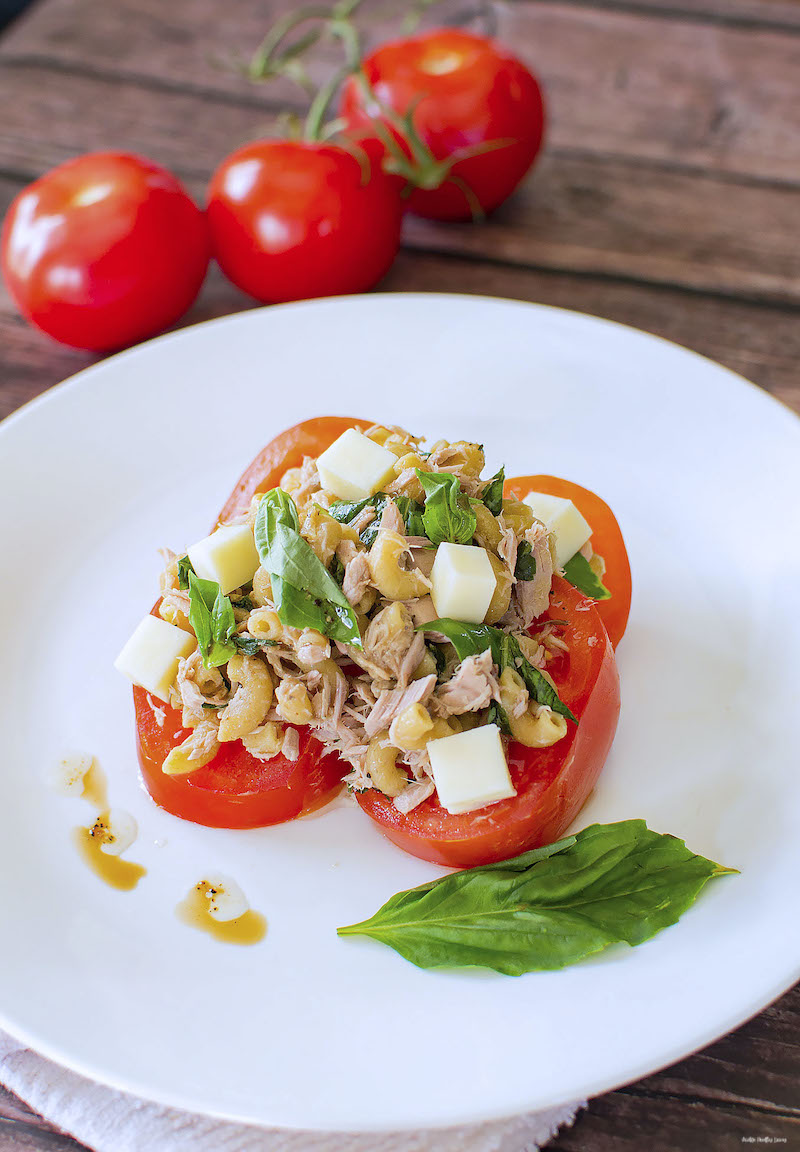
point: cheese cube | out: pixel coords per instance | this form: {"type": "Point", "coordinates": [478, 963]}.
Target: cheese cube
{"type": "Point", "coordinates": [463, 582]}
{"type": "Point", "coordinates": [355, 466]}
{"type": "Point", "coordinates": [563, 519]}
{"type": "Point", "coordinates": [470, 769]}
{"type": "Point", "coordinates": [228, 556]}
{"type": "Point", "coordinates": [150, 658]}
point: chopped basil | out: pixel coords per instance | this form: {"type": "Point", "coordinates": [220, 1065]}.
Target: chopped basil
{"type": "Point", "coordinates": [249, 644]}
{"type": "Point", "coordinates": [306, 595]}
{"type": "Point", "coordinates": [493, 493]}
{"type": "Point", "coordinates": [579, 572]}
{"type": "Point", "coordinates": [448, 517]}
{"type": "Point", "coordinates": [525, 568]}
{"type": "Point", "coordinates": [498, 715]}
{"type": "Point", "coordinates": [211, 616]}
{"type": "Point", "coordinates": [184, 568]}
{"type": "Point", "coordinates": [336, 570]}
{"type": "Point", "coordinates": [244, 603]}
{"type": "Point", "coordinates": [609, 884]}
{"type": "Point", "coordinates": [346, 511]}
{"type": "Point", "coordinates": [470, 639]}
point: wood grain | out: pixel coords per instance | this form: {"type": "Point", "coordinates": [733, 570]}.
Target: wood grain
{"type": "Point", "coordinates": [576, 212]}
{"type": "Point", "coordinates": [627, 83]}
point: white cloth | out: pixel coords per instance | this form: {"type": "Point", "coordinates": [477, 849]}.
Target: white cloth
{"type": "Point", "coordinates": [112, 1121]}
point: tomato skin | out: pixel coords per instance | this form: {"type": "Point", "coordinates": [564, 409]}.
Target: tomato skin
{"type": "Point", "coordinates": [291, 219]}
{"type": "Point", "coordinates": [465, 90]}
{"type": "Point", "coordinates": [104, 250]}
{"type": "Point", "coordinates": [606, 540]}
{"type": "Point", "coordinates": [309, 438]}
{"type": "Point", "coordinates": [552, 783]}
{"type": "Point", "coordinates": [235, 790]}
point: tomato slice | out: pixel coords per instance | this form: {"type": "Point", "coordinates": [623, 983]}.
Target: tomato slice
{"type": "Point", "coordinates": [234, 790]}
{"type": "Point", "coordinates": [309, 438]}
{"type": "Point", "coordinates": [552, 783]}
{"type": "Point", "coordinates": [606, 540]}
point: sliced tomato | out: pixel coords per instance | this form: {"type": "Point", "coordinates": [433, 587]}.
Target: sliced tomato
{"type": "Point", "coordinates": [234, 790]}
{"type": "Point", "coordinates": [309, 438]}
{"type": "Point", "coordinates": [552, 784]}
{"type": "Point", "coordinates": [607, 541]}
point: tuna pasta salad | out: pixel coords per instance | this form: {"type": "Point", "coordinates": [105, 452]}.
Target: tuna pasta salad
{"type": "Point", "coordinates": [373, 612]}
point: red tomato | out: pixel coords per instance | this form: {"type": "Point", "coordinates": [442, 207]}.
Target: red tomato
{"type": "Point", "coordinates": [464, 92]}
{"type": "Point", "coordinates": [235, 790]}
{"type": "Point", "coordinates": [552, 783]}
{"type": "Point", "coordinates": [606, 540]}
{"type": "Point", "coordinates": [292, 219]}
{"type": "Point", "coordinates": [104, 250]}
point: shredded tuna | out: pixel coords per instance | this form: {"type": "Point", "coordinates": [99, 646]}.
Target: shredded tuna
{"type": "Point", "coordinates": [291, 744]}
{"type": "Point", "coordinates": [198, 685]}
{"type": "Point", "coordinates": [473, 686]}
{"type": "Point", "coordinates": [532, 597]}
{"type": "Point", "coordinates": [387, 643]}
{"type": "Point", "coordinates": [508, 547]}
{"type": "Point", "coordinates": [363, 519]}
{"type": "Point", "coordinates": [159, 714]}
{"type": "Point", "coordinates": [309, 481]}
{"type": "Point", "coordinates": [391, 520]}
{"type": "Point", "coordinates": [413, 795]}
{"type": "Point", "coordinates": [422, 610]}
{"type": "Point", "coordinates": [390, 704]}
{"type": "Point", "coordinates": [356, 577]}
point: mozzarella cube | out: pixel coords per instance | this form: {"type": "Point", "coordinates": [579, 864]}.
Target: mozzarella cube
{"type": "Point", "coordinates": [228, 556]}
{"type": "Point", "coordinates": [150, 658]}
{"type": "Point", "coordinates": [470, 769]}
{"type": "Point", "coordinates": [563, 519]}
{"type": "Point", "coordinates": [463, 582]}
{"type": "Point", "coordinates": [355, 466]}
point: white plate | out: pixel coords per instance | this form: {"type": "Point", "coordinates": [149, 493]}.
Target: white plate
{"type": "Point", "coordinates": [305, 1029]}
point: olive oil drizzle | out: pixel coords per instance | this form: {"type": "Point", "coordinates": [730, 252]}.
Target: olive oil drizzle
{"type": "Point", "coordinates": [121, 874]}
{"type": "Point", "coordinates": [250, 928]}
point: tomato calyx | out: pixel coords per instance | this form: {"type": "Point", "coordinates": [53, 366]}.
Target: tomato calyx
{"type": "Point", "coordinates": [405, 154]}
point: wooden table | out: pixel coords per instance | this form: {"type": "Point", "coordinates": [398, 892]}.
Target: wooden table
{"type": "Point", "coordinates": [668, 198]}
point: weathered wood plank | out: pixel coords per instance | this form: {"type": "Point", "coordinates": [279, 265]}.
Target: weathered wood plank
{"type": "Point", "coordinates": [577, 212]}
{"type": "Point", "coordinates": [630, 83]}
{"type": "Point", "coordinates": [626, 1121]}
{"type": "Point", "coordinates": [776, 14]}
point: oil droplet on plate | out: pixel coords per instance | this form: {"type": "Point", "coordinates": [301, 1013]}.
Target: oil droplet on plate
{"type": "Point", "coordinates": [250, 928]}
{"type": "Point", "coordinates": [95, 786]}
{"type": "Point", "coordinates": [121, 874]}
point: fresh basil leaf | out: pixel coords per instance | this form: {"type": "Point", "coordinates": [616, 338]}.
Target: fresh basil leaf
{"type": "Point", "coordinates": [438, 655]}
{"type": "Point", "coordinates": [336, 570]}
{"type": "Point", "coordinates": [249, 644]}
{"type": "Point", "coordinates": [212, 619]}
{"type": "Point", "coordinates": [413, 515]}
{"type": "Point", "coordinates": [448, 517]}
{"type": "Point", "coordinates": [184, 568]}
{"type": "Point", "coordinates": [525, 568]}
{"type": "Point", "coordinates": [493, 493]}
{"type": "Point", "coordinates": [614, 883]}
{"type": "Point", "coordinates": [498, 715]}
{"type": "Point", "coordinates": [345, 511]}
{"type": "Point", "coordinates": [245, 603]}
{"type": "Point", "coordinates": [306, 595]}
{"type": "Point", "coordinates": [579, 572]}
{"type": "Point", "coordinates": [470, 639]}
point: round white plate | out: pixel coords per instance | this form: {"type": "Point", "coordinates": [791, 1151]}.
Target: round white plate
{"type": "Point", "coordinates": [308, 1030]}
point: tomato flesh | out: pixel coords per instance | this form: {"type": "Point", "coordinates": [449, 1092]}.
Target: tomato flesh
{"type": "Point", "coordinates": [234, 790]}
{"type": "Point", "coordinates": [606, 540]}
{"type": "Point", "coordinates": [552, 783]}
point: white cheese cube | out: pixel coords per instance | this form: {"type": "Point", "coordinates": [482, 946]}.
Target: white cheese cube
{"type": "Point", "coordinates": [463, 582]}
{"type": "Point", "coordinates": [228, 556]}
{"type": "Point", "coordinates": [355, 466]}
{"type": "Point", "coordinates": [470, 769]}
{"type": "Point", "coordinates": [150, 658]}
{"type": "Point", "coordinates": [563, 519]}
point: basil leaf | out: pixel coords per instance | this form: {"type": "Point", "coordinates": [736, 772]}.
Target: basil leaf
{"type": "Point", "coordinates": [184, 568]}
{"type": "Point", "coordinates": [498, 715]}
{"type": "Point", "coordinates": [306, 595]}
{"type": "Point", "coordinates": [345, 511]}
{"type": "Point", "coordinates": [614, 883]}
{"type": "Point", "coordinates": [525, 568]}
{"type": "Point", "coordinates": [212, 619]}
{"type": "Point", "coordinates": [579, 572]}
{"type": "Point", "coordinates": [336, 570]}
{"type": "Point", "coordinates": [249, 644]}
{"type": "Point", "coordinates": [245, 603]}
{"type": "Point", "coordinates": [493, 493]}
{"type": "Point", "coordinates": [470, 639]}
{"type": "Point", "coordinates": [413, 515]}
{"type": "Point", "coordinates": [448, 516]}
